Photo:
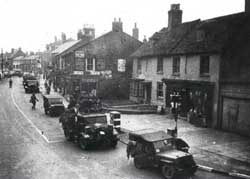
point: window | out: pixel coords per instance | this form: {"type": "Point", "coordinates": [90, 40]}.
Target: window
{"type": "Point", "coordinates": [176, 65]}
{"type": "Point", "coordinates": [159, 90]}
{"type": "Point", "coordinates": [89, 64]}
{"type": "Point", "coordinates": [204, 65]}
{"type": "Point", "coordinates": [159, 65]}
{"type": "Point", "coordinates": [139, 66]}
{"type": "Point", "coordinates": [136, 89]}
{"type": "Point", "coordinates": [100, 64]}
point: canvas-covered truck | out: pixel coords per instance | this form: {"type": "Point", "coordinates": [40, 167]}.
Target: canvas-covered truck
{"type": "Point", "coordinates": [89, 130]}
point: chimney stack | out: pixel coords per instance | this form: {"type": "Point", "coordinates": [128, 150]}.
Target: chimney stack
{"type": "Point", "coordinates": [174, 16]}
{"type": "Point", "coordinates": [117, 25]}
{"type": "Point", "coordinates": [247, 6]}
{"type": "Point", "coordinates": [63, 36]}
{"type": "Point", "coordinates": [136, 32]}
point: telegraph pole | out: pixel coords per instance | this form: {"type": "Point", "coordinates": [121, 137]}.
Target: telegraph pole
{"type": "Point", "coordinates": [2, 60]}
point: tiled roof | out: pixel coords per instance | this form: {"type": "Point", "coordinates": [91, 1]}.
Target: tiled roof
{"type": "Point", "coordinates": [216, 35]}
{"type": "Point", "coordinates": [64, 47]}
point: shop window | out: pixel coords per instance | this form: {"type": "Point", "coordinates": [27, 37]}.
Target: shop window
{"type": "Point", "coordinates": [176, 65]}
{"type": "Point", "coordinates": [89, 64]}
{"type": "Point", "coordinates": [204, 65]}
{"type": "Point", "coordinates": [159, 90]}
{"type": "Point", "coordinates": [159, 65]}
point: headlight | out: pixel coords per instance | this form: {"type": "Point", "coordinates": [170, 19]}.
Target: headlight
{"type": "Point", "coordinates": [102, 132]}
{"type": "Point", "coordinates": [86, 136]}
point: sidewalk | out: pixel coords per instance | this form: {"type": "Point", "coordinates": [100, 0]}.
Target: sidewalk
{"type": "Point", "coordinates": [221, 150]}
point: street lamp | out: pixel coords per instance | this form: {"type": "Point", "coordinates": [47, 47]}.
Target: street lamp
{"type": "Point", "coordinates": [175, 99]}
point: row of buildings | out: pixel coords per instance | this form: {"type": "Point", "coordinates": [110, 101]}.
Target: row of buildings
{"type": "Point", "coordinates": [206, 61]}
{"type": "Point", "coordinates": [17, 59]}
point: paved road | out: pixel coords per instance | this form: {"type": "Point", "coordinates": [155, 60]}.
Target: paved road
{"type": "Point", "coordinates": [33, 146]}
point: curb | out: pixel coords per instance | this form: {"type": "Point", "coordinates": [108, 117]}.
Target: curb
{"type": "Point", "coordinates": [209, 169]}
{"type": "Point", "coordinates": [212, 170]}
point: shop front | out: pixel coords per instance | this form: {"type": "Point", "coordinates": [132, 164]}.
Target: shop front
{"type": "Point", "coordinates": [196, 98]}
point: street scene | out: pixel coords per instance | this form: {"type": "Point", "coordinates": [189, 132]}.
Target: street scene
{"type": "Point", "coordinates": [107, 104]}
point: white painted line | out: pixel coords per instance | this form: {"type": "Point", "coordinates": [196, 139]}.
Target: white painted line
{"type": "Point", "coordinates": [239, 175]}
{"type": "Point", "coordinates": [205, 168]}
{"type": "Point", "coordinates": [32, 124]}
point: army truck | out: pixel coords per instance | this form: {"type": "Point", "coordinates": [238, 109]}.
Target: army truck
{"type": "Point", "coordinates": [89, 130]}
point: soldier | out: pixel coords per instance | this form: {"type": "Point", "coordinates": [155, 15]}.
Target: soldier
{"type": "Point", "coordinates": [33, 100]}
{"type": "Point", "coordinates": [10, 83]}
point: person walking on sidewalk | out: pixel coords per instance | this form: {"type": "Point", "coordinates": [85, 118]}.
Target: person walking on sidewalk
{"type": "Point", "coordinates": [10, 83]}
{"type": "Point", "coordinates": [33, 100]}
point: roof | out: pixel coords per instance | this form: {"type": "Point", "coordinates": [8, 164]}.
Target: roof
{"type": "Point", "coordinates": [62, 48]}
{"type": "Point", "coordinates": [216, 35]}
{"type": "Point", "coordinates": [150, 135]}
{"type": "Point", "coordinates": [164, 41]}
{"type": "Point", "coordinates": [109, 44]}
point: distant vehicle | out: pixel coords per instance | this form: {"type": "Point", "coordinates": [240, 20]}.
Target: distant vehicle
{"type": "Point", "coordinates": [153, 148]}
{"type": "Point", "coordinates": [53, 105]}
{"type": "Point", "coordinates": [27, 76]}
{"type": "Point", "coordinates": [18, 72]}
{"type": "Point", "coordinates": [31, 86]}
{"type": "Point", "coordinates": [89, 130]}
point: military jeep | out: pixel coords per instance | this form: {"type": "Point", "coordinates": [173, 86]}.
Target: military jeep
{"type": "Point", "coordinates": [152, 148]}
{"type": "Point", "coordinates": [31, 86]}
{"type": "Point", "coordinates": [88, 130]}
{"type": "Point", "coordinates": [53, 105]}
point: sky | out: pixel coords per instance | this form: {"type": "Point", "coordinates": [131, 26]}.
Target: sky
{"type": "Point", "coordinates": [31, 24]}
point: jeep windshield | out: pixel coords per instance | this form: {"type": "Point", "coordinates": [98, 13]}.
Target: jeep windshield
{"type": "Point", "coordinates": [55, 101]}
{"type": "Point", "coordinates": [96, 119]}
{"type": "Point", "coordinates": [163, 145]}
{"type": "Point", "coordinates": [32, 82]}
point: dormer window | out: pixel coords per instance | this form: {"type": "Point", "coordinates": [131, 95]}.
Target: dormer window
{"type": "Point", "coordinates": [200, 35]}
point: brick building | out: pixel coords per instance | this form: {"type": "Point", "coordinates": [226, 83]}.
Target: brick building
{"type": "Point", "coordinates": [100, 66]}
{"type": "Point", "coordinates": [207, 62]}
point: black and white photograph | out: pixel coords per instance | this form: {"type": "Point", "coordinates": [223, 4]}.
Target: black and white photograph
{"type": "Point", "coordinates": [125, 89]}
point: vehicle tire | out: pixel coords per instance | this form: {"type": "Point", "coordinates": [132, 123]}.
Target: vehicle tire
{"type": "Point", "coordinates": [137, 163]}
{"type": "Point", "coordinates": [68, 135]}
{"type": "Point", "coordinates": [83, 143]}
{"type": "Point", "coordinates": [114, 143]}
{"type": "Point", "coordinates": [168, 171]}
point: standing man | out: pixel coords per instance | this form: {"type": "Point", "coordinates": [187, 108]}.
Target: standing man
{"type": "Point", "coordinates": [33, 100]}
{"type": "Point", "coordinates": [10, 83]}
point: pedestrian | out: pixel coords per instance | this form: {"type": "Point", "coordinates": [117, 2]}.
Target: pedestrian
{"type": "Point", "coordinates": [48, 89]}
{"type": "Point", "coordinates": [33, 100]}
{"type": "Point", "coordinates": [10, 83]}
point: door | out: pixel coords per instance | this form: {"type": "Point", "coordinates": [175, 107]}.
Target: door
{"type": "Point", "coordinates": [235, 115]}
{"type": "Point", "coordinates": [148, 89]}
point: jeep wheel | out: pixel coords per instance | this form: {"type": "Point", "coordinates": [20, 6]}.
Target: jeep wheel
{"type": "Point", "coordinates": [83, 144]}
{"type": "Point", "coordinates": [168, 171]}
{"type": "Point", "coordinates": [137, 163]}
{"type": "Point", "coordinates": [114, 143]}
{"type": "Point", "coordinates": [68, 135]}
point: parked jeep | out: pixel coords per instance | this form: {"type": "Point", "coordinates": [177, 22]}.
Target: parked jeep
{"type": "Point", "coordinates": [31, 86]}
{"type": "Point", "coordinates": [89, 130]}
{"type": "Point", "coordinates": [152, 148]}
{"type": "Point", "coordinates": [53, 105]}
